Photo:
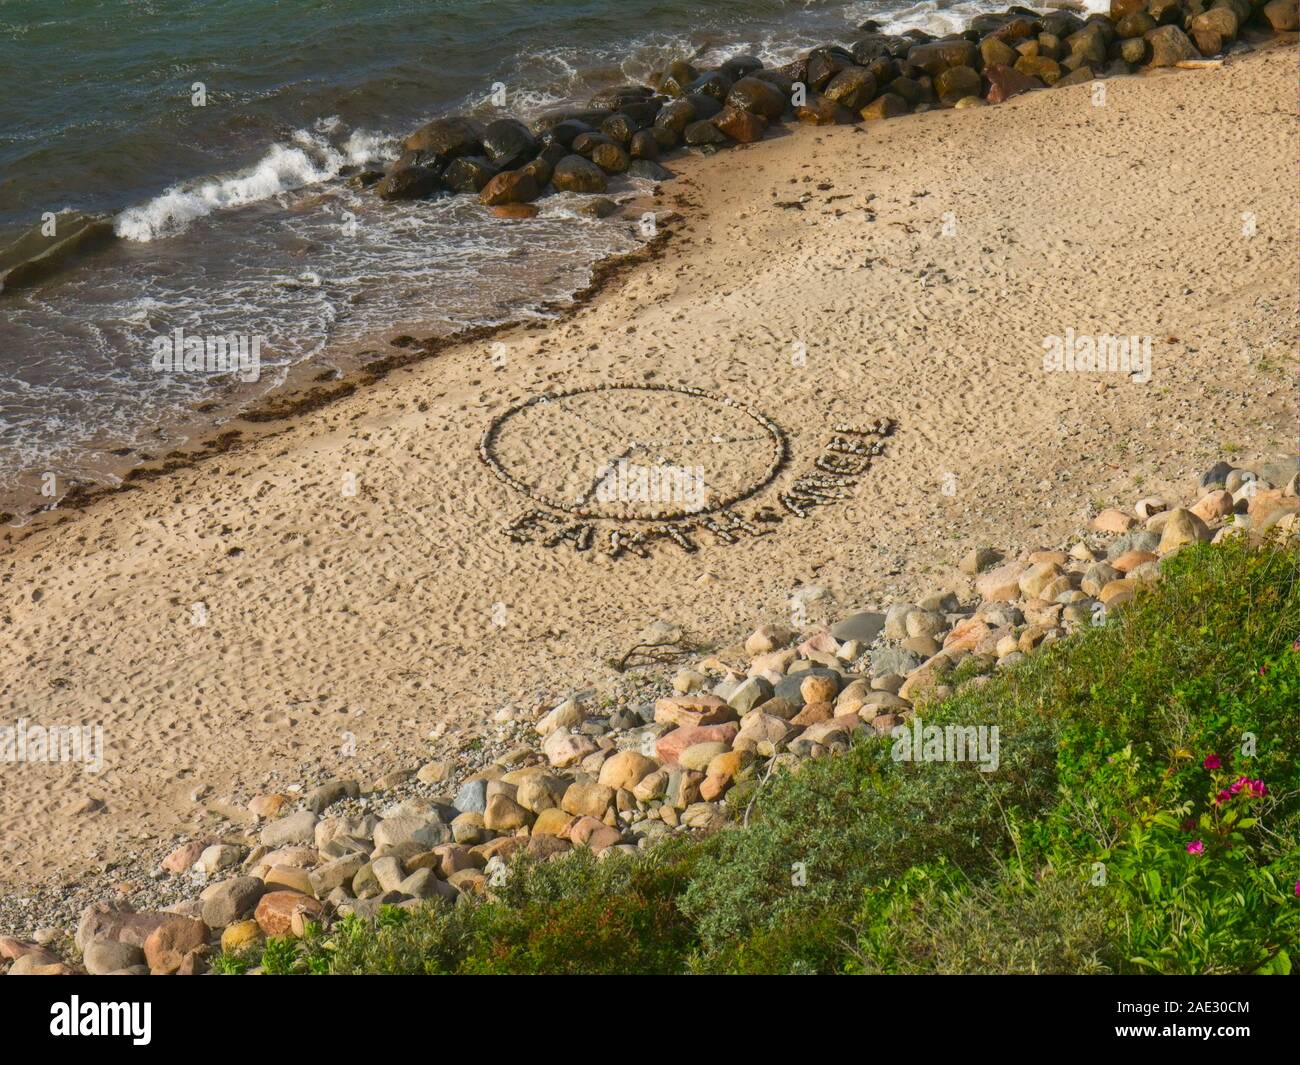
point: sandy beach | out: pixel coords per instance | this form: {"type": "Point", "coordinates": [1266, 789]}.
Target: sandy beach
{"type": "Point", "coordinates": [322, 599]}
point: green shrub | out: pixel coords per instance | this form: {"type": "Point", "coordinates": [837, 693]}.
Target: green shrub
{"type": "Point", "coordinates": [1103, 841]}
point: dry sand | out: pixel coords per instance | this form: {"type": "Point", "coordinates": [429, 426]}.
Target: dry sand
{"type": "Point", "coordinates": [377, 616]}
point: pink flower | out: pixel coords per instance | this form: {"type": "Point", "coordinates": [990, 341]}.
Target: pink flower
{"type": "Point", "coordinates": [1297, 889]}
{"type": "Point", "coordinates": [1296, 645]}
{"type": "Point", "coordinates": [1196, 847]}
{"type": "Point", "coordinates": [1221, 798]}
{"type": "Point", "coordinates": [1212, 762]}
{"type": "Point", "coordinates": [1258, 787]}
{"type": "Point", "coordinates": [1238, 784]}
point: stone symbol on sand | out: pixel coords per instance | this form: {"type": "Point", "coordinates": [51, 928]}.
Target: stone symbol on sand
{"type": "Point", "coordinates": [622, 466]}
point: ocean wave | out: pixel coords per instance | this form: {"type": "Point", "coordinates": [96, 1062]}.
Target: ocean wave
{"type": "Point", "coordinates": [310, 158]}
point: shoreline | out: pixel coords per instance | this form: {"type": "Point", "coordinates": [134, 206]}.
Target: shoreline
{"type": "Point", "coordinates": [308, 385]}
{"type": "Point", "coordinates": [317, 423]}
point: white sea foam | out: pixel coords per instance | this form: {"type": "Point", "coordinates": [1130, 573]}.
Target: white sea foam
{"type": "Point", "coordinates": [310, 159]}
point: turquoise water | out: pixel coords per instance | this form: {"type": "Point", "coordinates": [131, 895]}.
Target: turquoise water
{"type": "Point", "coordinates": [233, 215]}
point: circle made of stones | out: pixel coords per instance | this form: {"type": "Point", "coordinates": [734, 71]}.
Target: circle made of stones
{"type": "Point", "coordinates": [777, 453]}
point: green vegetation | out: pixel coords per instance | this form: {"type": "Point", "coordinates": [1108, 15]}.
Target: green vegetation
{"type": "Point", "coordinates": [1145, 817]}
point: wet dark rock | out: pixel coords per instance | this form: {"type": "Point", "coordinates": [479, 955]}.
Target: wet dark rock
{"type": "Point", "coordinates": [540, 169]}
{"type": "Point", "coordinates": [643, 145]}
{"type": "Point", "coordinates": [649, 170]}
{"type": "Point", "coordinates": [408, 183]}
{"type": "Point", "coordinates": [611, 158]}
{"type": "Point", "coordinates": [676, 115]}
{"type": "Point", "coordinates": [705, 106]}
{"type": "Point", "coordinates": [508, 143]}
{"type": "Point", "coordinates": [996, 53]}
{"type": "Point", "coordinates": [1048, 71]}
{"type": "Point", "coordinates": [510, 186]}
{"type": "Point", "coordinates": [909, 89]}
{"type": "Point", "coordinates": [1063, 23]}
{"type": "Point", "coordinates": [1006, 82]}
{"type": "Point", "coordinates": [619, 127]}
{"type": "Point", "coordinates": [819, 111]}
{"type": "Point", "coordinates": [678, 75]}
{"type": "Point", "coordinates": [937, 56]}
{"type": "Point", "coordinates": [1134, 50]}
{"type": "Point", "coordinates": [886, 105]}
{"type": "Point", "coordinates": [713, 83]}
{"type": "Point", "coordinates": [590, 117]}
{"type": "Point", "coordinates": [448, 138]}
{"type": "Point", "coordinates": [468, 173]}
{"type": "Point", "coordinates": [823, 65]}
{"type": "Point", "coordinates": [739, 66]}
{"type": "Point", "coordinates": [779, 79]}
{"type": "Point", "coordinates": [564, 133]}
{"type": "Point", "coordinates": [1089, 44]}
{"type": "Point", "coordinates": [955, 83]}
{"type": "Point", "coordinates": [853, 87]}
{"type": "Point", "coordinates": [1082, 76]}
{"type": "Point", "coordinates": [597, 207]}
{"type": "Point", "coordinates": [619, 95]}
{"type": "Point", "coordinates": [757, 97]}
{"type": "Point", "coordinates": [643, 112]}
{"type": "Point", "coordinates": [586, 143]}
{"type": "Point", "coordinates": [704, 132]}
{"type": "Point", "coordinates": [875, 45]}
{"type": "Point", "coordinates": [666, 138]}
{"type": "Point", "coordinates": [1135, 24]}
{"type": "Point", "coordinates": [573, 173]}
{"type": "Point", "coordinates": [742, 126]}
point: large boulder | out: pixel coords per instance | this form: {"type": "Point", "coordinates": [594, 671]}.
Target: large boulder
{"type": "Point", "coordinates": [740, 125]}
{"type": "Point", "coordinates": [757, 97]}
{"type": "Point", "coordinates": [565, 132]}
{"type": "Point", "coordinates": [226, 902]}
{"type": "Point", "coordinates": [611, 158]}
{"type": "Point", "coordinates": [705, 106]}
{"type": "Point", "coordinates": [1170, 46]}
{"type": "Point", "coordinates": [676, 76]}
{"type": "Point", "coordinates": [1046, 70]}
{"type": "Point", "coordinates": [618, 96]}
{"type": "Point", "coordinates": [1213, 29]}
{"type": "Point", "coordinates": [167, 945]}
{"type": "Point", "coordinates": [508, 143]}
{"type": "Point", "coordinates": [704, 132]}
{"type": "Point", "coordinates": [712, 83]}
{"type": "Point", "coordinates": [573, 173]}
{"type": "Point", "coordinates": [956, 83]}
{"type": "Point", "coordinates": [469, 173]}
{"type": "Point", "coordinates": [447, 138]}
{"type": "Point", "coordinates": [937, 56]}
{"type": "Point", "coordinates": [853, 87]}
{"type": "Point", "coordinates": [739, 66]}
{"type": "Point", "coordinates": [643, 145]}
{"type": "Point", "coordinates": [886, 105]}
{"type": "Point", "coordinates": [1281, 15]}
{"type": "Point", "coordinates": [276, 910]}
{"type": "Point", "coordinates": [817, 110]}
{"type": "Point", "coordinates": [1005, 82]}
{"type": "Point", "coordinates": [408, 183]}
{"type": "Point", "coordinates": [824, 64]}
{"type": "Point", "coordinates": [676, 115]}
